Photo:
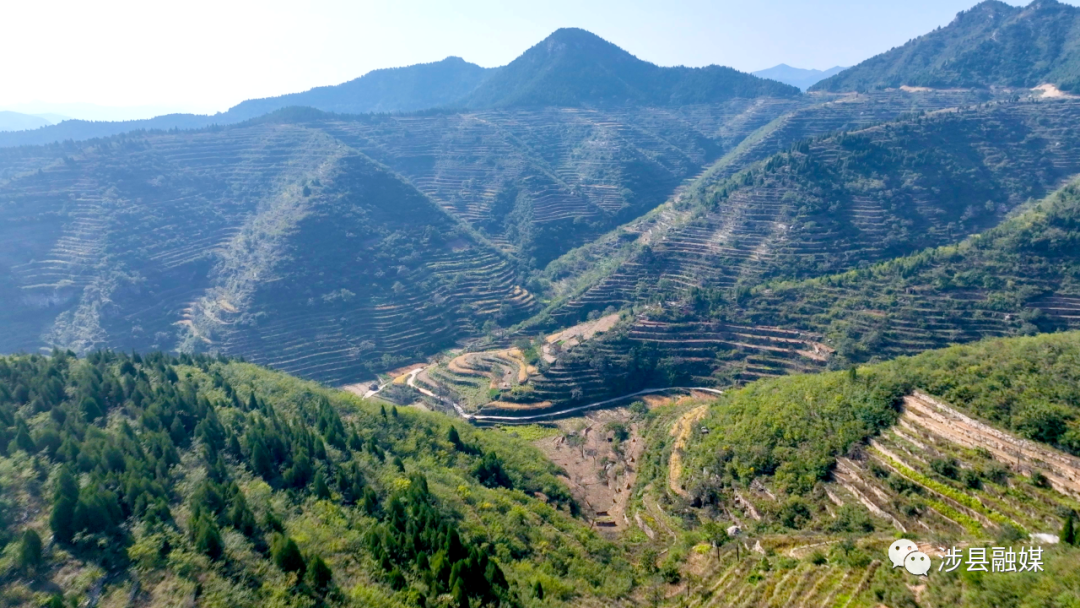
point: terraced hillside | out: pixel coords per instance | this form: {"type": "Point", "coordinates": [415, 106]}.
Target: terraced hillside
{"type": "Point", "coordinates": [855, 198]}
{"type": "Point", "coordinates": [864, 457]}
{"type": "Point", "coordinates": [539, 182]}
{"type": "Point", "coordinates": [822, 115]}
{"type": "Point", "coordinates": [261, 240]}
{"type": "Point", "coordinates": [118, 240]}
{"type": "Point", "coordinates": [830, 204]}
{"type": "Point", "coordinates": [1019, 278]}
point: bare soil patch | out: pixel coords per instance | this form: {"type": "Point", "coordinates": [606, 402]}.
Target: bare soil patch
{"type": "Point", "coordinates": [572, 336]}
{"type": "Point", "coordinates": [600, 469]}
{"type": "Point", "coordinates": [1050, 91]}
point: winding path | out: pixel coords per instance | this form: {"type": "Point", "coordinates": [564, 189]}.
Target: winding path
{"type": "Point", "coordinates": [548, 415]}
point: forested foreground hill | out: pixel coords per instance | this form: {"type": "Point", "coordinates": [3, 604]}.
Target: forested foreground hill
{"type": "Point", "coordinates": [161, 481]}
{"type": "Point", "coordinates": [993, 44]}
{"type": "Point", "coordinates": [970, 446]}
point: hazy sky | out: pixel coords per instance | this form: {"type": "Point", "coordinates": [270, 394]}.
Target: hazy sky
{"type": "Point", "coordinates": [207, 55]}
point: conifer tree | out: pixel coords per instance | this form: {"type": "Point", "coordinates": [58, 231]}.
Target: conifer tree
{"type": "Point", "coordinates": [65, 498]}
{"type": "Point", "coordinates": [208, 538]}
{"type": "Point", "coordinates": [287, 556]}
{"type": "Point", "coordinates": [29, 555]}
{"type": "Point", "coordinates": [320, 574]}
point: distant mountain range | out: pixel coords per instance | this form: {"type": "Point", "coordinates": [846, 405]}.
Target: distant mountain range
{"type": "Point", "coordinates": [797, 77]}
{"type": "Point", "coordinates": [57, 112]}
{"type": "Point", "coordinates": [991, 45]}
{"type": "Point", "coordinates": [416, 87]}
{"type": "Point", "coordinates": [15, 121]}
{"type": "Point", "coordinates": [571, 67]}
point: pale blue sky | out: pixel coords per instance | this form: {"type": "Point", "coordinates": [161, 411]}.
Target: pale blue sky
{"type": "Point", "coordinates": [207, 55]}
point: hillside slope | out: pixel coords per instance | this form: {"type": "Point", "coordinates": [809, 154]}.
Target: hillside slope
{"type": "Point", "coordinates": [574, 272]}
{"type": "Point", "coordinates": [991, 45]}
{"type": "Point", "coordinates": [573, 68]}
{"type": "Point", "coordinates": [537, 183]}
{"type": "Point", "coordinates": [836, 202]}
{"type": "Point", "coordinates": [822, 472]}
{"type": "Point", "coordinates": [541, 181]}
{"type": "Point", "coordinates": [156, 481]}
{"type": "Point", "coordinates": [257, 240]}
{"type": "Point", "coordinates": [830, 205]}
{"type": "Point", "coordinates": [1019, 278]}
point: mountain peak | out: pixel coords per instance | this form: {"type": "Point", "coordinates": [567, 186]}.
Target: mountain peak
{"type": "Point", "coordinates": [578, 42]}
{"type": "Point", "coordinates": [574, 67]}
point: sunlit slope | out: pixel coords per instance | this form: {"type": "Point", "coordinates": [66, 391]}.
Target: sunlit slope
{"type": "Point", "coordinates": [970, 446]}
{"type": "Point", "coordinates": [1015, 279]}
{"type": "Point", "coordinates": [1019, 278]}
{"type": "Point", "coordinates": [825, 115]}
{"type": "Point", "coordinates": [156, 481]}
{"type": "Point", "coordinates": [836, 202]}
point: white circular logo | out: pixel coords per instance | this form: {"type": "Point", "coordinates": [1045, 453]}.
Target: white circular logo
{"type": "Point", "coordinates": [917, 563]}
{"type": "Point", "coordinates": [899, 550]}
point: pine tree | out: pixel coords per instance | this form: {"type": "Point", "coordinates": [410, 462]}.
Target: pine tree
{"type": "Point", "coordinates": [22, 438]}
{"type": "Point", "coordinates": [29, 556]}
{"type": "Point", "coordinates": [1068, 531]}
{"type": "Point", "coordinates": [320, 574]}
{"type": "Point", "coordinates": [538, 590]}
{"type": "Point", "coordinates": [461, 599]}
{"type": "Point", "coordinates": [208, 538]}
{"type": "Point", "coordinates": [287, 556]}
{"type": "Point", "coordinates": [65, 498]}
{"type": "Point", "coordinates": [321, 490]}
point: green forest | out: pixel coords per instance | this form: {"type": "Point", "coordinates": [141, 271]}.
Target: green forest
{"type": "Point", "coordinates": [196, 477]}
